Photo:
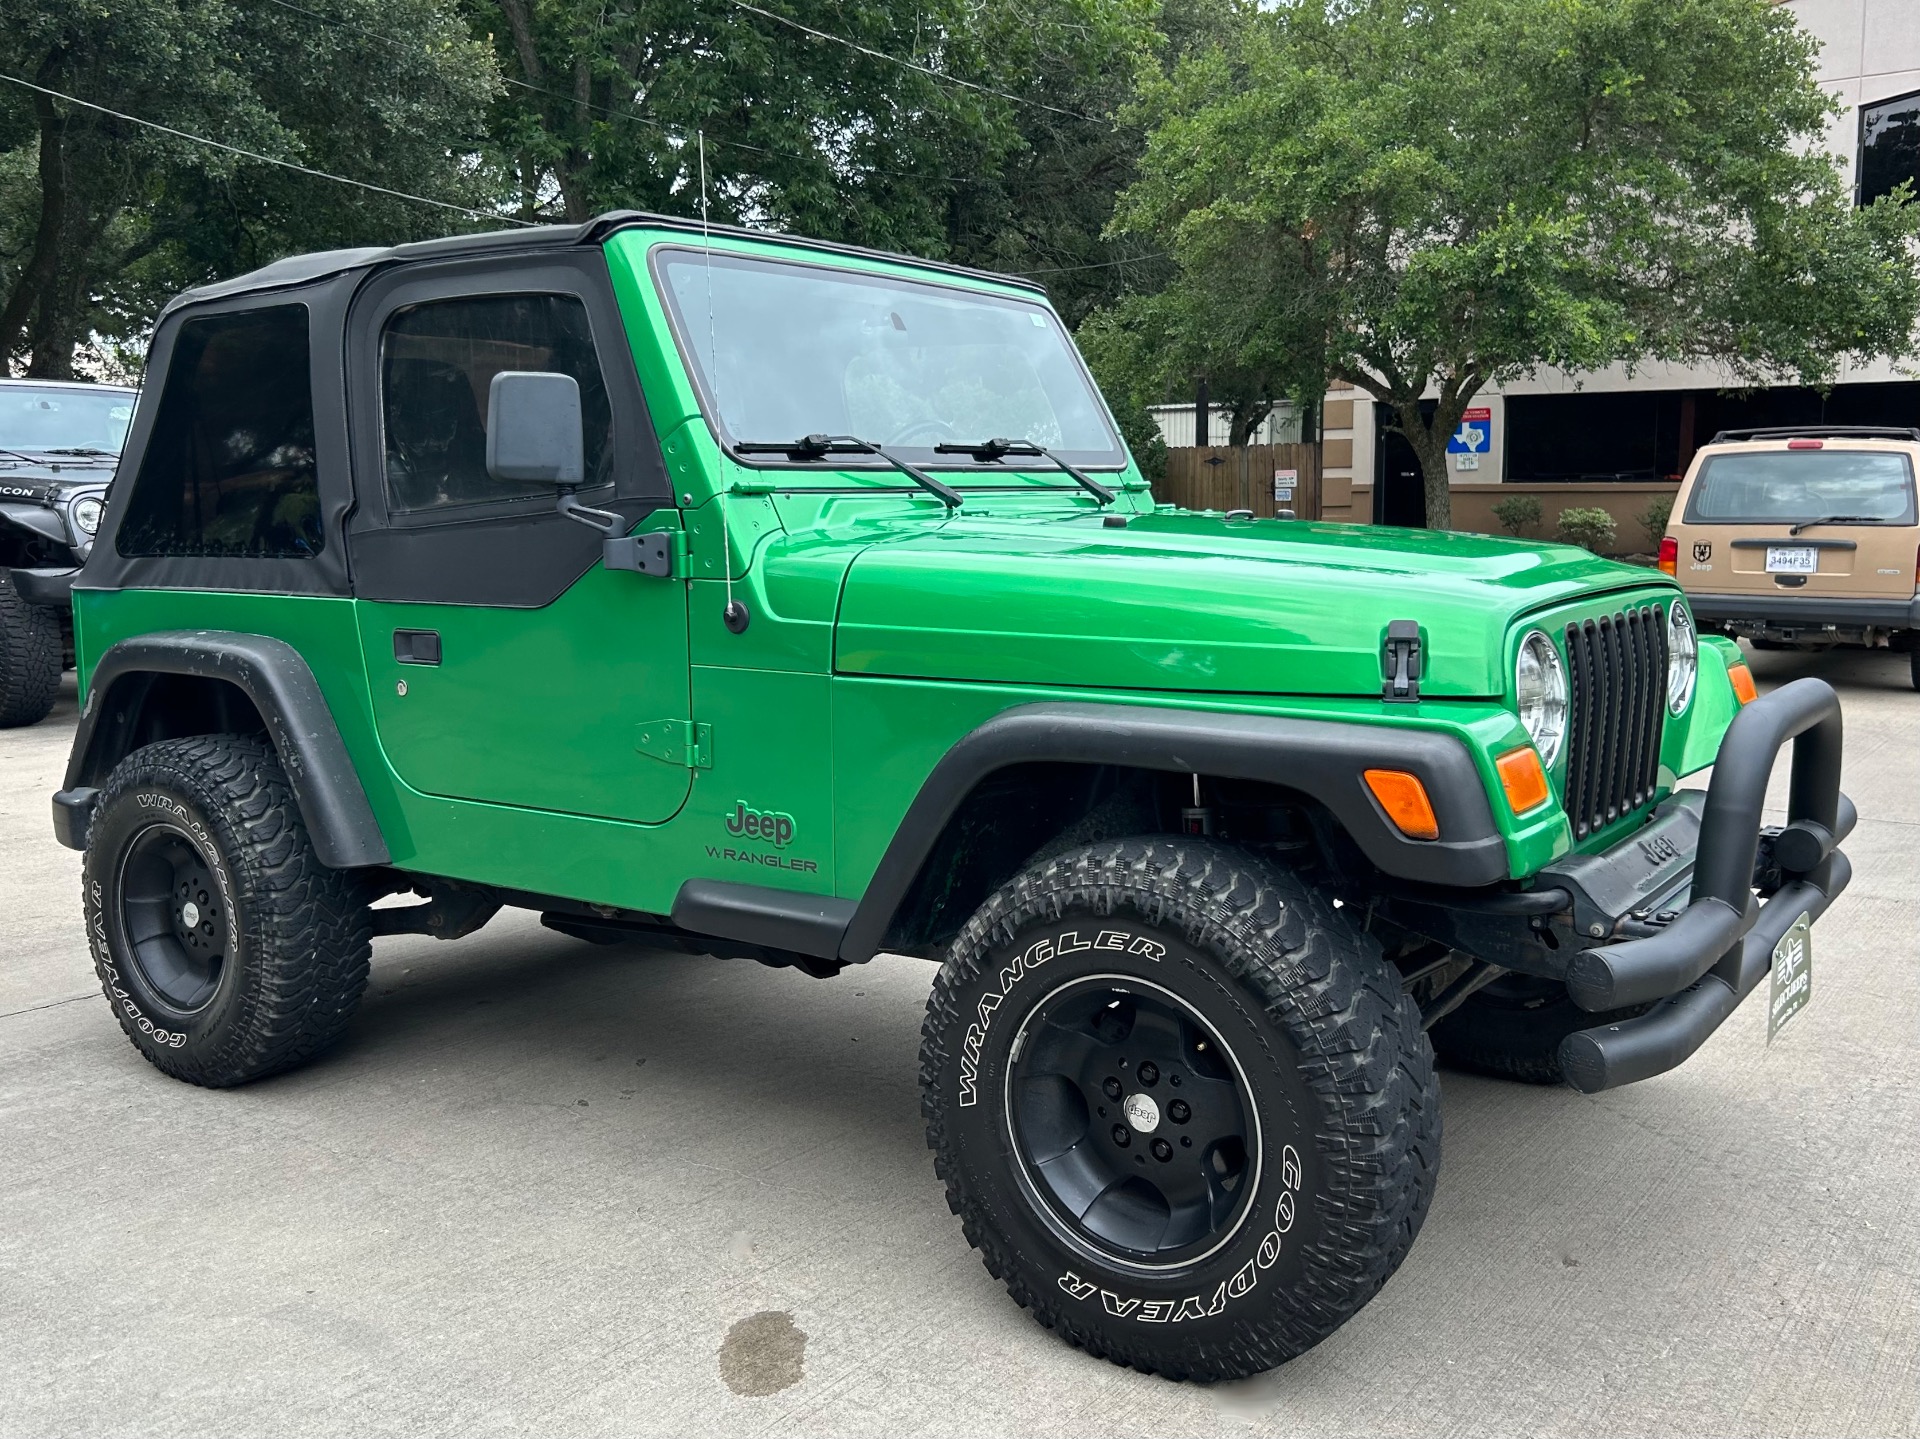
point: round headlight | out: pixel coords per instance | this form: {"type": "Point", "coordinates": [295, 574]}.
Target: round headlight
{"type": "Point", "coordinates": [1540, 689]}
{"type": "Point", "coordinates": [86, 514]}
{"type": "Point", "coordinates": [1683, 657]}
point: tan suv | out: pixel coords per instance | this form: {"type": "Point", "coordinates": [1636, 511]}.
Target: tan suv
{"type": "Point", "coordinates": [1802, 537]}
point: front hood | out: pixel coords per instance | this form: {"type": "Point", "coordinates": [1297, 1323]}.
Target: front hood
{"type": "Point", "coordinates": [29, 474]}
{"type": "Point", "coordinates": [1195, 602]}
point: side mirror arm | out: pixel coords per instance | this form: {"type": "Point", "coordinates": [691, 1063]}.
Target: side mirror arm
{"type": "Point", "coordinates": [604, 521]}
{"type": "Point", "coordinates": [651, 554]}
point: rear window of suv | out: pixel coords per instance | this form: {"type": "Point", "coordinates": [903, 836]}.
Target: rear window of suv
{"type": "Point", "coordinates": [229, 468]}
{"type": "Point", "coordinates": [1767, 486]}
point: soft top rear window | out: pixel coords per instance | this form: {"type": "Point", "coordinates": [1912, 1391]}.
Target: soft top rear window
{"type": "Point", "coordinates": [1774, 486]}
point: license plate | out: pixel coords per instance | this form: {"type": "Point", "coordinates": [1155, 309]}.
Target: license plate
{"type": "Point", "coordinates": [1792, 559]}
{"type": "Point", "coordinates": [1792, 987]}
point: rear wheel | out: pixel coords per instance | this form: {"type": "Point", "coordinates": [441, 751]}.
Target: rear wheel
{"type": "Point", "coordinates": [227, 950]}
{"type": "Point", "coordinates": [1512, 1029]}
{"type": "Point", "coordinates": [1181, 1105]}
{"type": "Point", "coordinates": [1913, 665]}
{"type": "Point", "coordinates": [30, 651]}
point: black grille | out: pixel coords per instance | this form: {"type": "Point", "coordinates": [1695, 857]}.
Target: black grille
{"type": "Point", "coordinates": [1618, 668]}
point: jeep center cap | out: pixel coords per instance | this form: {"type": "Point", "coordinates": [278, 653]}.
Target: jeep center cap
{"type": "Point", "coordinates": [1142, 1113]}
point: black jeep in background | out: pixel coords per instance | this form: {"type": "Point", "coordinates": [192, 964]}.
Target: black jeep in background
{"type": "Point", "coordinates": [59, 443]}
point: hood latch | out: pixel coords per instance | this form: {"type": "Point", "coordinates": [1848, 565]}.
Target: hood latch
{"type": "Point", "coordinates": [1400, 662]}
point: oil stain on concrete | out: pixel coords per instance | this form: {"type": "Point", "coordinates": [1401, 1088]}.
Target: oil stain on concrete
{"type": "Point", "coordinates": [763, 1354]}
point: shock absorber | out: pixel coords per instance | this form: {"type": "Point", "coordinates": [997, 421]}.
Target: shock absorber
{"type": "Point", "coordinates": [1196, 818]}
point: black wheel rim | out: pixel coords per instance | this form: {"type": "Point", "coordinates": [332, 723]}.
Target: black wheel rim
{"type": "Point", "coordinates": [172, 918]}
{"type": "Point", "coordinates": [1132, 1122]}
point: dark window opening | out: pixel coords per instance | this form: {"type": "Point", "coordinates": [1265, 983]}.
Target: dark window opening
{"type": "Point", "coordinates": [437, 362]}
{"type": "Point", "coordinates": [1594, 436]}
{"type": "Point", "coordinates": [1889, 146]}
{"type": "Point", "coordinates": [1652, 434]}
{"type": "Point", "coordinates": [229, 469]}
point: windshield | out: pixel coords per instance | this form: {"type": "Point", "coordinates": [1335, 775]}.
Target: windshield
{"type": "Point", "coordinates": [1784, 486]}
{"type": "Point", "coordinates": [53, 417]}
{"type": "Point", "coordinates": [793, 349]}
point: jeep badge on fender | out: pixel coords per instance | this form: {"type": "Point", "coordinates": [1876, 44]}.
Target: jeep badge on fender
{"type": "Point", "coordinates": [1204, 905]}
{"type": "Point", "coordinates": [776, 829]}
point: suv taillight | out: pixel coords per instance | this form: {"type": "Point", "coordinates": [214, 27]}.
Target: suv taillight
{"type": "Point", "coordinates": [1670, 555]}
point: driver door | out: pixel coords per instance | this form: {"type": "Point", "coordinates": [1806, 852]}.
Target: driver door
{"type": "Point", "coordinates": [505, 664]}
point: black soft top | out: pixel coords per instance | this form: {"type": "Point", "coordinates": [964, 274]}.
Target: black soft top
{"type": "Point", "coordinates": [300, 269]}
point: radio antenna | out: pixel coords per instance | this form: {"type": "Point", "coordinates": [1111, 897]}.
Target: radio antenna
{"type": "Point", "coordinates": [735, 616]}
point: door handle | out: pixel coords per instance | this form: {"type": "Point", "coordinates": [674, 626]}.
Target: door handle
{"type": "Point", "coordinates": [416, 647]}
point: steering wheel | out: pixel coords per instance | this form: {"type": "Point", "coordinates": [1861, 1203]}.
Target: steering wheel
{"type": "Point", "coordinates": [932, 429]}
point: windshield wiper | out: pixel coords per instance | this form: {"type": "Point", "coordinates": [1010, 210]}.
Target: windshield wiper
{"type": "Point", "coordinates": [995, 450]}
{"type": "Point", "coordinates": [1834, 520]}
{"type": "Point", "coordinates": [815, 447]}
{"type": "Point", "coordinates": [84, 450]}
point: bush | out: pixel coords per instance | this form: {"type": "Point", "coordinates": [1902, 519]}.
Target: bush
{"type": "Point", "coordinates": [1518, 514]}
{"type": "Point", "coordinates": [1653, 519]}
{"type": "Point", "coordinates": [1588, 526]}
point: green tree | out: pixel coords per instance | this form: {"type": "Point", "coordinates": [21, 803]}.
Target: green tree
{"type": "Point", "coordinates": [604, 97]}
{"type": "Point", "coordinates": [1426, 196]}
{"type": "Point", "coordinates": [1008, 156]}
{"type": "Point", "coordinates": [102, 219]}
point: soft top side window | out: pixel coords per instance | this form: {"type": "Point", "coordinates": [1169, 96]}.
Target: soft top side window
{"type": "Point", "coordinates": [229, 468]}
{"type": "Point", "coordinates": [437, 360]}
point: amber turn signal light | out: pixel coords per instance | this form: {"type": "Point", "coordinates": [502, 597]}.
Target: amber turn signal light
{"type": "Point", "coordinates": [1669, 555]}
{"type": "Point", "coordinates": [1523, 778]}
{"type": "Point", "coordinates": [1743, 685]}
{"type": "Point", "coordinates": [1405, 800]}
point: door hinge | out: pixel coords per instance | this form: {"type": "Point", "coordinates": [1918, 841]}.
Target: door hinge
{"type": "Point", "coordinates": [1400, 662]}
{"type": "Point", "coordinates": [662, 553]}
{"type": "Point", "coordinates": [677, 741]}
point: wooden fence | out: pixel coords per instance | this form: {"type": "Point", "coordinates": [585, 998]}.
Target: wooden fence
{"type": "Point", "coordinates": [1220, 478]}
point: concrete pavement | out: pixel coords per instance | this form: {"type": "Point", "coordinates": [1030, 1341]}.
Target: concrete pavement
{"type": "Point", "coordinates": [551, 1188]}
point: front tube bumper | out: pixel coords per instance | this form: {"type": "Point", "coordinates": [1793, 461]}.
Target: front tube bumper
{"type": "Point", "coordinates": [1719, 947]}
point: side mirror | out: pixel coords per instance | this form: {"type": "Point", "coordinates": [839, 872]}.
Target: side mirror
{"type": "Point", "coordinates": [534, 432]}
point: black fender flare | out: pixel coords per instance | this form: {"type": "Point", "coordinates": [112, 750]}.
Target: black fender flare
{"type": "Point", "coordinates": [1323, 759]}
{"type": "Point", "coordinates": [279, 682]}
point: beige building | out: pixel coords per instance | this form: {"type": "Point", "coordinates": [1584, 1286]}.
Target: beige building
{"type": "Point", "coordinates": [1620, 440]}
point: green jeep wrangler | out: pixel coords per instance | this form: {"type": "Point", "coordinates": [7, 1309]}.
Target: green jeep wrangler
{"type": "Point", "coordinates": [784, 601]}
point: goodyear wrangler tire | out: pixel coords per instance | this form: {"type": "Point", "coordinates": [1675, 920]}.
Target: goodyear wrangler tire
{"type": "Point", "coordinates": [29, 659]}
{"type": "Point", "coordinates": [227, 950]}
{"type": "Point", "coordinates": [1181, 1105]}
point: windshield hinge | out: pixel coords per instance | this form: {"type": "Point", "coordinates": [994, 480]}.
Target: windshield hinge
{"type": "Point", "coordinates": [676, 741]}
{"type": "Point", "coordinates": [1400, 662]}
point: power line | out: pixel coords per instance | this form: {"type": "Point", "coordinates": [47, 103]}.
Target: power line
{"type": "Point", "coordinates": [913, 65]}
{"type": "Point", "coordinates": [266, 159]}
{"type": "Point", "coordinates": [624, 112]}
{"type": "Point", "coordinates": [1097, 265]}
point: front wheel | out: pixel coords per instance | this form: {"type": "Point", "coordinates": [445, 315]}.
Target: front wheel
{"type": "Point", "coordinates": [1181, 1105]}
{"type": "Point", "coordinates": [30, 653]}
{"type": "Point", "coordinates": [227, 950]}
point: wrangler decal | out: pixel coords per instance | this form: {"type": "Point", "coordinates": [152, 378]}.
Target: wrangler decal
{"type": "Point", "coordinates": [1024, 963]}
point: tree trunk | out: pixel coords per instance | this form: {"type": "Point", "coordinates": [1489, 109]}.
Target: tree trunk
{"type": "Point", "coordinates": [1246, 419]}
{"type": "Point", "coordinates": [37, 275]}
{"type": "Point", "coordinates": [1429, 437]}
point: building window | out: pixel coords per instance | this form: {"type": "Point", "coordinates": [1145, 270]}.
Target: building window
{"type": "Point", "coordinates": [1889, 146]}
{"type": "Point", "coordinates": [228, 470]}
